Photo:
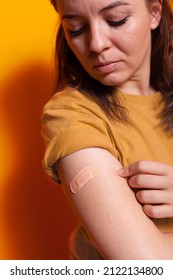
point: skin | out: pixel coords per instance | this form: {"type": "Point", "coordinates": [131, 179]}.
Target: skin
{"type": "Point", "coordinates": [96, 37]}
{"type": "Point", "coordinates": [154, 181]}
{"type": "Point", "coordinates": [117, 56]}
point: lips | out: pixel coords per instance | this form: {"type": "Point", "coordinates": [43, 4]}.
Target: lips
{"type": "Point", "coordinates": [107, 67]}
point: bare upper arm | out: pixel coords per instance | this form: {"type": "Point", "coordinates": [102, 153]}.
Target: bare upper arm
{"type": "Point", "coordinates": [108, 209]}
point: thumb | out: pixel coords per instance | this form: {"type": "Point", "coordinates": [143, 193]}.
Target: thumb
{"type": "Point", "coordinates": [124, 171]}
{"type": "Point", "coordinates": [133, 169]}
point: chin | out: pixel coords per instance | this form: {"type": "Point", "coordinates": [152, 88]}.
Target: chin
{"type": "Point", "coordinates": [108, 82]}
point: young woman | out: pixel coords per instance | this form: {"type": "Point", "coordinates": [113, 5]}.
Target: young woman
{"type": "Point", "coordinates": [109, 126]}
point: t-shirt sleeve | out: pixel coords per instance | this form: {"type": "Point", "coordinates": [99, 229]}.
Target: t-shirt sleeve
{"type": "Point", "coordinates": [67, 130]}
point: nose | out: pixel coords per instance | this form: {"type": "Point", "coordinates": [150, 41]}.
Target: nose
{"type": "Point", "coordinates": [98, 40]}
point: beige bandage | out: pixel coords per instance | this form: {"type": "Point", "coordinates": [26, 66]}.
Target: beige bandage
{"type": "Point", "coordinates": [86, 174]}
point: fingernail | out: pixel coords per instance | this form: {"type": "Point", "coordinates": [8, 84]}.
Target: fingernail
{"type": "Point", "coordinates": [121, 171]}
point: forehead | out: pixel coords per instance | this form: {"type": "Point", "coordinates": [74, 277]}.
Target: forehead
{"type": "Point", "coordinates": [91, 5]}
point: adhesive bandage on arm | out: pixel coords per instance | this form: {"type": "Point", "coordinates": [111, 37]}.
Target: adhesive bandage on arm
{"type": "Point", "coordinates": [85, 175]}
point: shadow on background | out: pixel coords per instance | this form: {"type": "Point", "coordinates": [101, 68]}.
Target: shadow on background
{"type": "Point", "coordinates": [36, 218]}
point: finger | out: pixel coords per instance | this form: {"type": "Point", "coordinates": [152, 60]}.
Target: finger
{"type": "Point", "coordinates": [145, 181]}
{"type": "Point", "coordinates": [158, 211]}
{"type": "Point", "coordinates": [145, 167]}
{"type": "Point", "coordinates": [153, 197]}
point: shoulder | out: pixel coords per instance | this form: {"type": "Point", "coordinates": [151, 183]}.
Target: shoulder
{"type": "Point", "coordinates": [70, 116]}
{"type": "Point", "coordinates": [71, 99]}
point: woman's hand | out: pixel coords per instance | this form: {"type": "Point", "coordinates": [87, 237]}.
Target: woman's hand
{"type": "Point", "coordinates": [154, 183]}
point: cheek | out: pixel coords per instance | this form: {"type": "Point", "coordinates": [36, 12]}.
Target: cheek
{"type": "Point", "coordinates": [75, 45]}
{"type": "Point", "coordinates": [138, 37]}
{"type": "Point", "coordinates": [78, 49]}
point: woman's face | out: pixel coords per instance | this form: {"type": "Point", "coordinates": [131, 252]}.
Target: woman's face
{"type": "Point", "coordinates": [110, 38]}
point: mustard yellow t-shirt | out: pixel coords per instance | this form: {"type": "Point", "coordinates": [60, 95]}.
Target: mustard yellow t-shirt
{"type": "Point", "coordinates": [72, 121]}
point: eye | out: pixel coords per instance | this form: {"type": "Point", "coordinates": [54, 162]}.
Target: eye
{"type": "Point", "coordinates": [77, 32]}
{"type": "Point", "coordinates": [117, 23]}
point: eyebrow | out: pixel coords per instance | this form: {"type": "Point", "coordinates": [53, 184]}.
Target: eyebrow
{"type": "Point", "coordinates": [109, 7]}
{"type": "Point", "coordinates": [114, 5]}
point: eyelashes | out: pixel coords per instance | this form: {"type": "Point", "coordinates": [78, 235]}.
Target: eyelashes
{"type": "Point", "coordinates": [118, 23]}
{"type": "Point", "coordinates": [112, 23]}
{"type": "Point", "coordinates": [77, 32]}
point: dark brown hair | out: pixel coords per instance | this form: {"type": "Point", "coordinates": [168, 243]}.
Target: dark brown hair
{"type": "Point", "coordinates": [161, 69]}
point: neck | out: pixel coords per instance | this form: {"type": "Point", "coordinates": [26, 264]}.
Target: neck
{"type": "Point", "coordinates": [136, 88]}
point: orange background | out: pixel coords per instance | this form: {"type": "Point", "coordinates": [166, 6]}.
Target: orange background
{"type": "Point", "coordinates": [35, 218]}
